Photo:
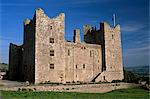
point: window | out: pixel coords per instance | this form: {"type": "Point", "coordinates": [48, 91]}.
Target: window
{"type": "Point", "coordinates": [51, 66]}
{"type": "Point", "coordinates": [76, 66]}
{"type": "Point", "coordinates": [104, 77]}
{"type": "Point", "coordinates": [83, 66]}
{"type": "Point", "coordinates": [51, 40]}
{"type": "Point", "coordinates": [68, 52]}
{"type": "Point", "coordinates": [113, 55]}
{"type": "Point", "coordinates": [51, 52]}
{"type": "Point", "coordinates": [90, 53]}
{"type": "Point", "coordinates": [112, 36]}
{"type": "Point", "coordinates": [83, 47]}
{"type": "Point", "coordinates": [51, 27]}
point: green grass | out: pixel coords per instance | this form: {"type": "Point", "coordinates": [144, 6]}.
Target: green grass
{"type": "Point", "coordinates": [117, 94]}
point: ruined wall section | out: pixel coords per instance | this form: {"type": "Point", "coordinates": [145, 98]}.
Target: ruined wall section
{"type": "Point", "coordinates": [49, 67]}
{"type": "Point", "coordinates": [15, 62]}
{"type": "Point", "coordinates": [28, 68]}
{"type": "Point", "coordinates": [83, 61]}
{"type": "Point", "coordinates": [92, 35]}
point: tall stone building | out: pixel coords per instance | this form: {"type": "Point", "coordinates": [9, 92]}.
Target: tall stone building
{"type": "Point", "coordinates": [46, 56]}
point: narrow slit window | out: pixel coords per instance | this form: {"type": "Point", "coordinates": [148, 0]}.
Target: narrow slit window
{"type": "Point", "coordinates": [112, 36]}
{"type": "Point", "coordinates": [76, 66]}
{"type": "Point", "coordinates": [68, 52]}
{"type": "Point", "coordinates": [90, 53]}
{"type": "Point", "coordinates": [104, 77]}
{"type": "Point", "coordinates": [83, 66]}
{"type": "Point", "coordinates": [51, 52]}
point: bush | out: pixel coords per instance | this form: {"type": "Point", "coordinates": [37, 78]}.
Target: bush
{"type": "Point", "coordinates": [130, 77]}
{"type": "Point", "coordinates": [24, 89]}
{"type": "Point", "coordinates": [116, 81]}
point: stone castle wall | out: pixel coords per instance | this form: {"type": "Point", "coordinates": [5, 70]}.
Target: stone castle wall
{"type": "Point", "coordinates": [48, 57]}
{"type": "Point", "coordinates": [113, 53]}
{"type": "Point", "coordinates": [15, 61]}
{"type": "Point", "coordinates": [83, 61]}
{"type": "Point", "coordinates": [29, 50]}
{"type": "Point", "coordinates": [47, 28]}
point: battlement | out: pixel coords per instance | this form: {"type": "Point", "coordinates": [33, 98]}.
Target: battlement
{"type": "Point", "coordinates": [39, 13]}
{"type": "Point", "coordinates": [104, 26]}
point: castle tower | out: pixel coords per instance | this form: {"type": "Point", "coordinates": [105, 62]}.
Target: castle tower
{"type": "Point", "coordinates": [28, 63]}
{"type": "Point", "coordinates": [49, 47]}
{"type": "Point", "coordinates": [112, 53]}
{"type": "Point", "coordinates": [76, 37]}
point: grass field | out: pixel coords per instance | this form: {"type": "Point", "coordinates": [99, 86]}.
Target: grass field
{"type": "Point", "coordinates": [117, 94]}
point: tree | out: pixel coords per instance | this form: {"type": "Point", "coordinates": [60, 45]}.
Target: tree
{"type": "Point", "coordinates": [130, 77]}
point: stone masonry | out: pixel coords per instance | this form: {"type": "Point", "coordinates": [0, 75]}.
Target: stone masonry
{"type": "Point", "coordinates": [46, 56]}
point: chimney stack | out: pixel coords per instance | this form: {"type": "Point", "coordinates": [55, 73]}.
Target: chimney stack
{"type": "Point", "coordinates": [76, 38]}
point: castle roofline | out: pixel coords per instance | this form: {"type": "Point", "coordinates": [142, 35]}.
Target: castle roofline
{"type": "Point", "coordinates": [40, 11]}
{"type": "Point", "coordinates": [117, 26]}
{"type": "Point", "coordinates": [20, 45]}
{"type": "Point", "coordinates": [109, 24]}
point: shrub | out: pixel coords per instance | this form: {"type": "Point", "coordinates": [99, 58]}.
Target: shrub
{"type": "Point", "coordinates": [116, 81]}
{"type": "Point", "coordinates": [130, 77]}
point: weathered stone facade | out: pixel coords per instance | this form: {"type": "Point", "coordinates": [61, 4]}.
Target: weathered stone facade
{"type": "Point", "coordinates": [47, 57]}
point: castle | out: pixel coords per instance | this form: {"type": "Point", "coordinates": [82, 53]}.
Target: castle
{"type": "Point", "coordinates": [46, 56]}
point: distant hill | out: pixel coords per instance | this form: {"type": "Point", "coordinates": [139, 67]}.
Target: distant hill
{"type": "Point", "coordinates": [139, 70]}
{"type": "Point", "coordinates": [3, 67]}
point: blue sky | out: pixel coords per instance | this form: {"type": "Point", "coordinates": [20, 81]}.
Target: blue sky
{"type": "Point", "coordinates": [132, 15]}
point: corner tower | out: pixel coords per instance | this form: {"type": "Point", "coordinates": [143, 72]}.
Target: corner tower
{"type": "Point", "coordinates": [49, 47]}
{"type": "Point", "coordinates": [112, 53]}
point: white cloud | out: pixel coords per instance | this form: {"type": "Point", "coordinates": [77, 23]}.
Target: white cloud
{"type": "Point", "coordinates": [137, 56]}
{"type": "Point", "coordinates": [138, 51]}
{"type": "Point", "coordinates": [132, 27]}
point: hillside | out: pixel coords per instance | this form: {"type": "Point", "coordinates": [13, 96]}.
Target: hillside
{"type": "Point", "coordinates": [139, 70]}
